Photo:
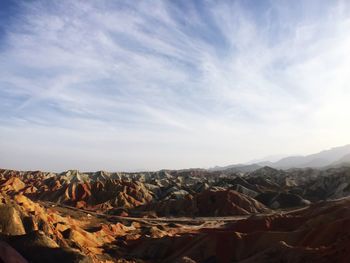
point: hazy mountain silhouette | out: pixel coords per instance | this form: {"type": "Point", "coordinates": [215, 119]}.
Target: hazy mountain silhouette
{"type": "Point", "coordinates": [321, 159]}
{"type": "Point", "coordinates": [333, 157]}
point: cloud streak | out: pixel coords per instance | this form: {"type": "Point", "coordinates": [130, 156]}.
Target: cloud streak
{"type": "Point", "coordinates": [115, 85]}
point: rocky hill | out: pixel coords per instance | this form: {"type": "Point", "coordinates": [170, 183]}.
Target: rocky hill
{"type": "Point", "coordinates": [265, 215]}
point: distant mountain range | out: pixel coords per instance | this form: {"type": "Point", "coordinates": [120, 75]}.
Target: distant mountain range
{"type": "Point", "coordinates": [333, 157]}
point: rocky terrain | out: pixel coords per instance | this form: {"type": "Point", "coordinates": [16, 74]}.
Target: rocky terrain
{"type": "Point", "coordinates": [196, 215]}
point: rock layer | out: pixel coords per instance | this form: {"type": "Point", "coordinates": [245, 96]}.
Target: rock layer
{"type": "Point", "coordinates": [265, 215]}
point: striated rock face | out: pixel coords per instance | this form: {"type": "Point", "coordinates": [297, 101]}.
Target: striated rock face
{"type": "Point", "coordinates": [209, 203]}
{"type": "Point", "coordinates": [40, 234]}
{"type": "Point", "coordinates": [10, 220]}
{"type": "Point", "coordinates": [96, 195]}
{"type": "Point", "coordinates": [277, 200]}
{"type": "Point", "coordinates": [267, 215]}
{"type": "Point", "coordinates": [227, 203]}
{"type": "Point", "coordinates": [317, 234]}
{"type": "Point", "coordinates": [12, 185]}
{"type": "Point", "coordinates": [104, 191]}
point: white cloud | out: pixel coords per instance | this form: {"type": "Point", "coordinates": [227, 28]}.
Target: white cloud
{"type": "Point", "coordinates": [99, 85]}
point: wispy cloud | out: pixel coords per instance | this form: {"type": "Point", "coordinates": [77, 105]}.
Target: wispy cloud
{"type": "Point", "coordinates": [128, 85]}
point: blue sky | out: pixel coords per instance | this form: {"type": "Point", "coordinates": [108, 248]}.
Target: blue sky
{"type": "Point", "coordinates": [130, 85]}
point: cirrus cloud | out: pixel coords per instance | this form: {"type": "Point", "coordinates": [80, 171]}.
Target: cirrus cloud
{"type": "Point", "coordinates": [150, 85]}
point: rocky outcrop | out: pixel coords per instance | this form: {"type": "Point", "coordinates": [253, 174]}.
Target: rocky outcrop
{"type": "Point", "coordinates": [40, 234]}
{"type": "Point", "coordinates": [37, 247]}
{"type": "Point", "coordinates": [97, 194]}
{"type": "Point", "coordinates": [277, 200]}
{"type": "Point", "coordinates": [10, 220]}
{"type": "Point", "coordinates": [113, 217]}
{"type": "Point", "coordinates": [317, 234]}
{"type": "Point", "coordinates": [209, 203]}
{"type": "Point", "coordinates": [12, 185]}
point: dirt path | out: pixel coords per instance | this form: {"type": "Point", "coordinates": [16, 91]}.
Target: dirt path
{"type": "Point", "coordinates": [194, 220]}
{"type": "Point", "coordinates": [180, 220]}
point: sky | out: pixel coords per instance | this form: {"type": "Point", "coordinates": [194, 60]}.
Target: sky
{"type": "Point", "coordinates": [146, 85]}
